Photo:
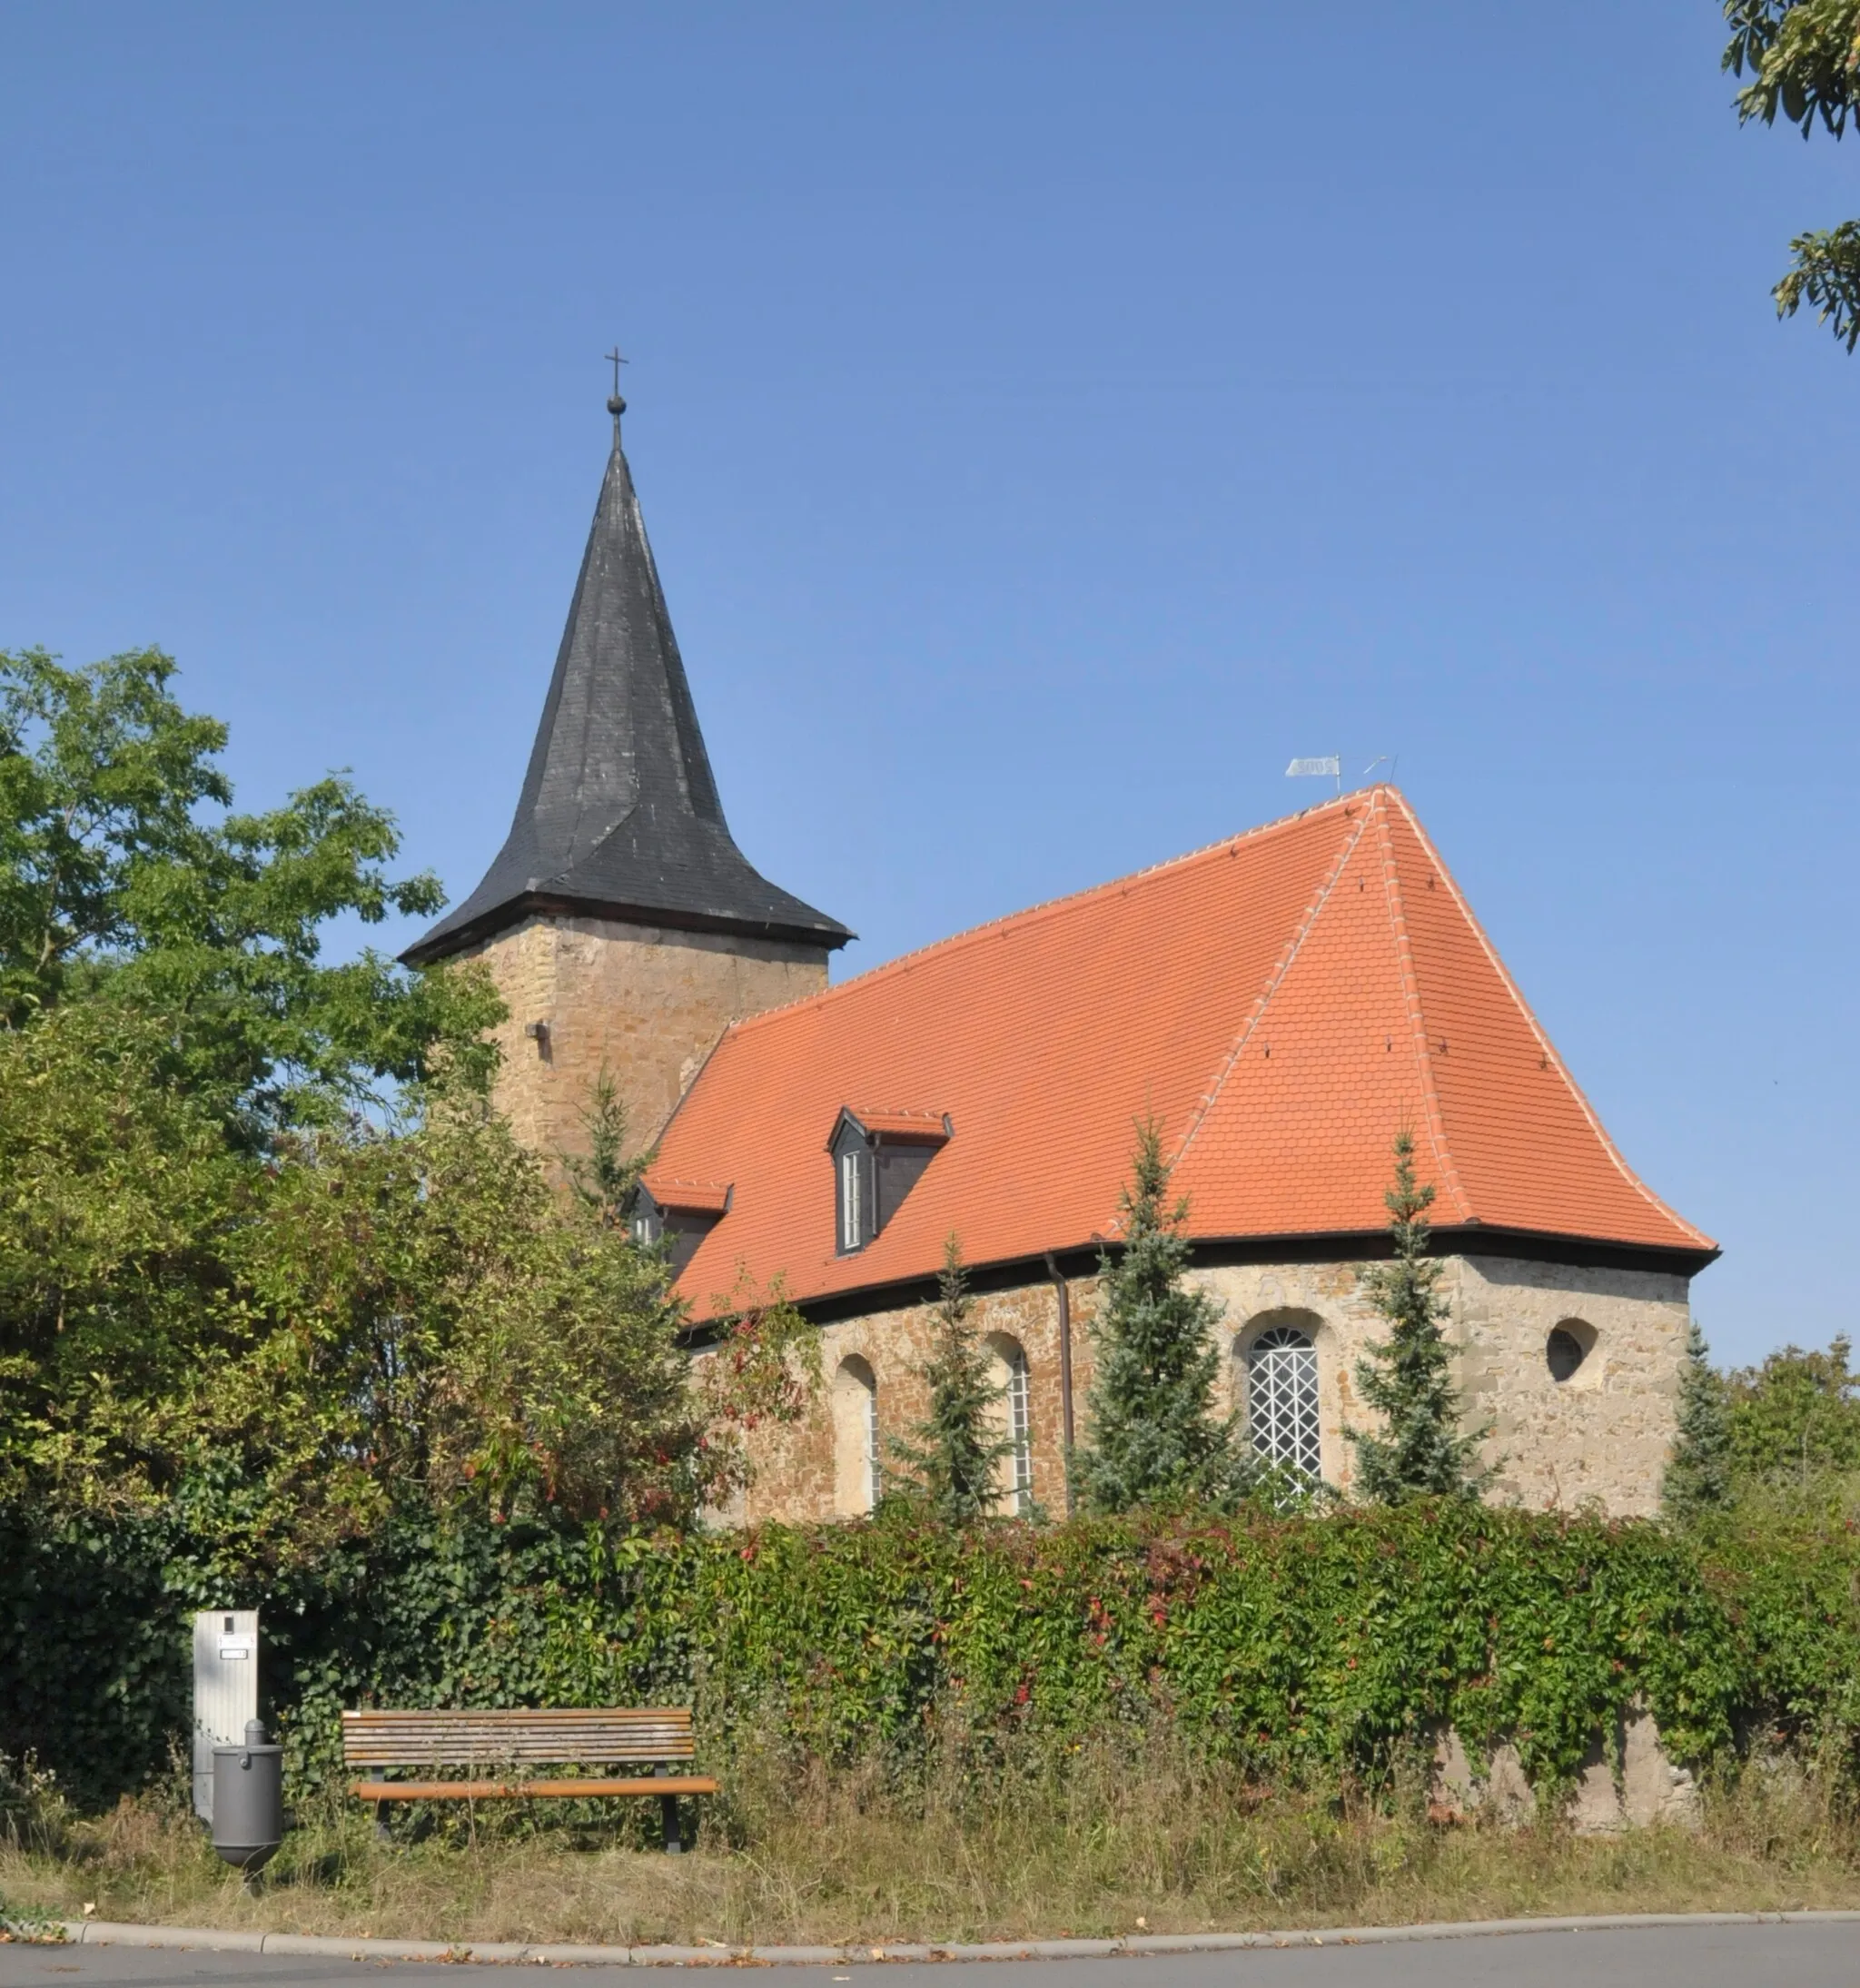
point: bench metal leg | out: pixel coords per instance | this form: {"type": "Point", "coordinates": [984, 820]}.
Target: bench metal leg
{"type": "Point", "coordinates": [381, 1832]}
{"type": "Point", "coordinates": [668, 1814]}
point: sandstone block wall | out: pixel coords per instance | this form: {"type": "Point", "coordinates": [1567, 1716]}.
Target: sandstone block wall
{"type": "Point", "coordinates": [647, 1003]}
{"type": "Point", "coordinates": [811, 1472]}
{"type": "Point", "coordinates": [1605, 1433]}
{"type": "Point", "coordinates": [1601, 1435]}
{"type": "Point", "coordinates": [1647, 1788]}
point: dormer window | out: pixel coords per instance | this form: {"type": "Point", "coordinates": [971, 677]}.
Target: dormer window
{"type": "Point", "coordinates": [679, 1213]}
{"type": "Point", "coordinates": [878, 1157]}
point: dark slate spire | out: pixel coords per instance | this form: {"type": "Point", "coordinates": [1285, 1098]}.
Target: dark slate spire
{"type": "Point", "coordinates": [619, 816]}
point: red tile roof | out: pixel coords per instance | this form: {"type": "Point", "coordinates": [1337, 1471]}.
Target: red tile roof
{"type": "Point", "coordinates": [1283, 1003]}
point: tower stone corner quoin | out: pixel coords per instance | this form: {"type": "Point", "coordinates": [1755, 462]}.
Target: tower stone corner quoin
{"type": "Point", "coordinates": [620, 923]}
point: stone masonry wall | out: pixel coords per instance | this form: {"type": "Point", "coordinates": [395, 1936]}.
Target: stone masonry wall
{"type": "Point", "coordinates": [647, 1003]}
{"type": "Point", "coordinates": [1601, 1435]}
{"type": "Point", "coordinates": [798, 1475]}
{"type": "Point", "coordinates": [1605, 1433]}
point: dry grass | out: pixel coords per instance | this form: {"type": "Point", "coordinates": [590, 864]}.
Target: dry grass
{"type": "Point", "coordinates": [1101, 1847]}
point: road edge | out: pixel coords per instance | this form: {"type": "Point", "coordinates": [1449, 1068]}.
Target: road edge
{"type": "Point", "coordinates": [100, 1932]}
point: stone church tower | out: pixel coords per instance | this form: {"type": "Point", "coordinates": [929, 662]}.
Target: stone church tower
{"type": "Point", "coordinates": [622, 925]}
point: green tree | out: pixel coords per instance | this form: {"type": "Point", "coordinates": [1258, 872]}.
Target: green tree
{"type": "Point", "coordinates": [603, 1178]}
{"type": "Point", "coordinates": [1803, 60]}
{"type": "Point", "coordinates": [1698, 1478]}
{"type": "Point", "coordinates": [1422, 1450]}
{"type": "Point", "coordinates": [365, 1318]}
{"type": "Point", "coordinates": [1796, 1416]}
{"type": "Point", "coordinates": [125, 876]}
{"type": "Point", "coordinates": [266, 1252]}
{"type": "Point", "coordinates": [954, 1462]}
{"type": "Point", "coordinates": [460, 1331]}
{"type": "Point", "coordinates": [1153, 1437]}
{"type": "Point", "coordinates": [119, 1194]}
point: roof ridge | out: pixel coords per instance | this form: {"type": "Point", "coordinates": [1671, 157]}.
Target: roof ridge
{"type": "Point", "coordinates": [1418, 1022]}
{"type": "Point", "coordinates": [1274, 980]}
{"type": "Point", "coordinates": [1538, 1030]}
{"type": "Point", "coordinates": [1053, 906]}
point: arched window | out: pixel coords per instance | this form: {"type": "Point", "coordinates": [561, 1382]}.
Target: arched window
{"type": "Point", "coordinates": [1008, 1360]}
{"type": "Point", "coordinates": [1569, 1346]}
{"type": "Point", "coordinates": [855, 1457]}
{"type": "Point", "coordinates": [1282, 1399]}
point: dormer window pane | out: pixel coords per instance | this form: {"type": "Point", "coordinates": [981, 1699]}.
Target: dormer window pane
{"type": "Point", "coordinates": [851, 1232]}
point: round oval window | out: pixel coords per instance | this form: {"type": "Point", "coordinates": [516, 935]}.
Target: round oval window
{"type": "Point", "coordinates": [1563, 1353]}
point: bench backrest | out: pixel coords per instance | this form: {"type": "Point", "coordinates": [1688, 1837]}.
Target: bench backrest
{"type": "Point", "coordinates": [465, 1739]}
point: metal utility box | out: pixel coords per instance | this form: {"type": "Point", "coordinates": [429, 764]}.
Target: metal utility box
{"type": "Point", "coordinates": [225, 1691]}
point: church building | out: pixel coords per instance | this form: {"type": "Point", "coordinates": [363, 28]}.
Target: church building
{"type": "Point", "coordinates": [1283, 1002]}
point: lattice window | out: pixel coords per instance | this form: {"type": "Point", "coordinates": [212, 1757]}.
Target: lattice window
{"type": "Point", "coordinates": [1282, 1399]}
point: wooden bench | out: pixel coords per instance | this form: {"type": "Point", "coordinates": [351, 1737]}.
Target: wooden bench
{"type": "Point", "coordinates": [500, 1741]}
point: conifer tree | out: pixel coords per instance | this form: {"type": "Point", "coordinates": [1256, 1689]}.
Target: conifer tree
{"type": "Point", "coordinates": [1422, 1450]}
{"type": "Point", "coordinates": [602, 1179]}
{"type": "Point", "coordinates": [1154, 1436]}
{"type": "Point", "coordinates": [1699, 1477]}
{"type": "Point", "coordinates": [955, 1462]}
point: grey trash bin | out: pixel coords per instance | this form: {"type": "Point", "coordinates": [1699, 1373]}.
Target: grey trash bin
{"type": "Point", "coordinates": [249, 1800]}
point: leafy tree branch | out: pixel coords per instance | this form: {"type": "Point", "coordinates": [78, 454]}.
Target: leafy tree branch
{"type": "Point", "coordinates": [1803, 61]}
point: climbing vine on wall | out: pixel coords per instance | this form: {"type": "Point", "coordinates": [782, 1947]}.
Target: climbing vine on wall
{"type": "Point", "coordinates": [1304, 1647]}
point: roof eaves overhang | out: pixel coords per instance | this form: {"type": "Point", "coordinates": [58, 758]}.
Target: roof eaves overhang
{"type": "Point", "coordinates": [1341, 1246]}
{"type": "Point", "coordinates": [1460, 1239]}
{"type": "Point", "coordinates": [441, 944]}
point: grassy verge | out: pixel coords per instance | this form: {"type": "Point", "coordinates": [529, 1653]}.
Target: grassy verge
{"type": "Point", "coordinates": [1103, 1846]}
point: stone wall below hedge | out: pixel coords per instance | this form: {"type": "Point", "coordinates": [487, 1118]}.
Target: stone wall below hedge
{"type": "Point", "coordinates": [1647, 1788]}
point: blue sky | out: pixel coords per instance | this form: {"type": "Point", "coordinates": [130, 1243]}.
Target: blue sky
{"type": "Point", "coordinates": [1050, 418]}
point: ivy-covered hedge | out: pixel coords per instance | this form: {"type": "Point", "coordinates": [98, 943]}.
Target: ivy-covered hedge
{"type": "Point", "coordinates": [1304, 1647]}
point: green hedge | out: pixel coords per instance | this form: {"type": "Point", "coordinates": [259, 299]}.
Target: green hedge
{"type": "Point", "coordinates": [1302, 1648]}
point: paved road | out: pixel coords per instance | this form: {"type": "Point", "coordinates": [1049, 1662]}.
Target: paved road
{"type": "Point", "coordinates": [1747, 1956]}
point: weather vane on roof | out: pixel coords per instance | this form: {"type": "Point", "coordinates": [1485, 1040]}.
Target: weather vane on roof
{"type": "Point", "coordinates": [1330, 767]}
{"type": "Point", "coordinates": [616, 406]}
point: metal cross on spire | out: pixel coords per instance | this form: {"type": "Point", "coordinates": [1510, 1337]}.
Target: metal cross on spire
{"type": "Point", "coordinates": [616, 406]}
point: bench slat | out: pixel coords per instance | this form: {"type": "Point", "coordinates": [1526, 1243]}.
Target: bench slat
{"type": "Point", "coordinates": [555, 1714]}
{"type": "Point", "coordinates": [395, 1738]}
{"type": "Point", "coordinates": [459, 1791]}
{"type": "Point", "coordinates": [559, 1720]}
{"type": "Point", "coordinates": [451, 1754]}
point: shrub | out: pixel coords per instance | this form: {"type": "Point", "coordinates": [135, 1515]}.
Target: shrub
{"type": "Point", "coordinates": [1300, 1649]}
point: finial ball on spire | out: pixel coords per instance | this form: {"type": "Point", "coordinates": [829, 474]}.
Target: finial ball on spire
{"type": "Point", "coordinates": [616, 406]}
